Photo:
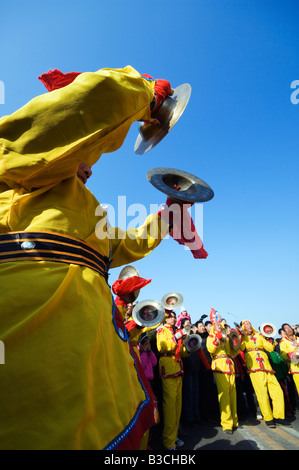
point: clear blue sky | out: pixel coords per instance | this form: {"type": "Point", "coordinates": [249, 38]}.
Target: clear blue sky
{"type": "Point", "coordinates": [239, 132]}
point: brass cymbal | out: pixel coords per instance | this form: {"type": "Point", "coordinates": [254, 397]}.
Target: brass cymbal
{"type": "Point", "coordinates": [192, 188]}
{"type": "Point", "coordinates": [148, 313]}
{"type": "Point", "coordinates": [172, 301]}
{"type": "Point", "coordinates": [168, 114]}
{"type": "Point", "coordinates": [128, 271]}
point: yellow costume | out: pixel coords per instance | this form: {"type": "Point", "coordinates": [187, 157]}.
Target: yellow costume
{"type": "Point", "coordinates": [69, 381]}
{"type": "Point", "coordinates": [224, 373]}
{"type": "Point", "coordinates": [263, 376]}
{"type": "Point", "coordinates": [287, 348]}
{"type": "Point", "coordinates": [171, 373]}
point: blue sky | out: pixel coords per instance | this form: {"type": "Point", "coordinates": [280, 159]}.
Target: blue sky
{"type": "Point", "coordinates": [239, 132]}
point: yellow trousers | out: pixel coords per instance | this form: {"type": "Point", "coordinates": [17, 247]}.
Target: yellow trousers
{"type": "Point", "coordinates": [264, 383]}
{"type": "Point", "coordinates": [227, 398]}
{"type": "Point", "coordinates": [296, 381]}
{"type": "Point", "coordinates": [172, 407]}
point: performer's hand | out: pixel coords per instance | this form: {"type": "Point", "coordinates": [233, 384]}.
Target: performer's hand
{"type": "Point", "coordinates": [182, 228]}
{"type": "Point", "coordinates": [129, 308]}
{"type": "Point", "coordinates": [180, 333]}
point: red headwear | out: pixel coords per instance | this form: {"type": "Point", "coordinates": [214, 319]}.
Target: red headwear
{"type": "Point", "coordinates": [123, 287]}
{"type": "Point", "coordinates": [55, 79]}
{"type": "Point", "coordinates": [214, 316]}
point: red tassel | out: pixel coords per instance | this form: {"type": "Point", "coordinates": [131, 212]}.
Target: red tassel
{"type": "Point", "coordinates": [130, 325]}
{"type": "Point", "coordinates": [178, 350]}
{"type": "Point", "coordinates": [203, 358]}
{"type": "Point", "coordinates": [184, 231]}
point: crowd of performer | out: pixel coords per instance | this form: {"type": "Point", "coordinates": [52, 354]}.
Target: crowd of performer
{"type": "Point", "coordinates": [233, 374]}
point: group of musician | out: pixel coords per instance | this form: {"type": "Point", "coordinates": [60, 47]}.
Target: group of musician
{"type": "Point", "coordinates": [218, 353]}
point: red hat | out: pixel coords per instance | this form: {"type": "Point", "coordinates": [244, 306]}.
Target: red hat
{"type": "Point", "coordinates": [126, 286]}
{"type": "Point", "coordinates": [214, 316]}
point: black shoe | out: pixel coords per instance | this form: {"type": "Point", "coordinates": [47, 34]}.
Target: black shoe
{"type": "Point", "coordinates": [228, 431]}
{"type": "Point", "coordinates": [283, 422]}
{"type": "Point", "coordinates": [270, 424]}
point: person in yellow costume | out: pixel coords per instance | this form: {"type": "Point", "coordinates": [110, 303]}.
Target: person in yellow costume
{"type": "Point", "coordinates": [127, 291]}
{"type": "Point", "coordinates": [262, 375]}
{"type": "Point", "coordinates": [289, 349]}
{"type": "Point", "coordinates": [69, 381]}
{"type": "Point", "coordinates": [224, 372]}
{"type": "Point", "coordinates": [171, 350]}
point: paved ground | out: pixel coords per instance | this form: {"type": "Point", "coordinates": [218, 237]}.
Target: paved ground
{"type": "Point", "coordinates": [251, 435]}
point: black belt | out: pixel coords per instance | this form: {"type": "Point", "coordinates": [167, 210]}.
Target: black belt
{"type": "Point", "coordinates": [48, 246]}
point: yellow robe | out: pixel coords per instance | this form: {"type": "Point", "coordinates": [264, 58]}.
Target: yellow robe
{"type": "Point", "coordinates": [224, 373]}
{"type": "Point", "coordinates": [263, 376]}
{"type": "Point", "coordinates": [287, 347]}
{"type": "Point", "coordinates": [69, 380]}
{"type": "Point", "coordinates": [171, 373]}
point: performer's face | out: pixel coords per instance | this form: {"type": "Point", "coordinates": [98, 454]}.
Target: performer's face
{"type": "Point", "coordinates": [171, 319]}
{"type": "Point", "coordinates": [201, 328]}
{"type": "Point", "coordinates": [247, 326]}
{"type": "Point", "coordinates": [84, 172]}
{"type": "Point", "coordinates": [288, 330]}
{"type": "Point", "coordinates": [129, 308]}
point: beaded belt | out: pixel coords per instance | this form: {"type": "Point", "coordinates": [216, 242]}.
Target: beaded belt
{"type": "Point", "coordinates": [253, 349]}
{"type": "Point", "coordinates": [220, 356]}
{"type": "Point", "coordinates": [48, 246]}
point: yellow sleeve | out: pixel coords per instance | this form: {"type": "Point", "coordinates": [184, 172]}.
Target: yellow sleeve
{"type": "Point", "coordinates": [184, 353]}
{"type": "Point", "coordinates": [134, 244]}
{"type": "Point", "coordinates": [267, 345]}
{"type": "Point", "coordinates": [44, 141]}
{"type": "Point", "coordinates": [165, 341]}
{"type": "Point", "coordinates": [285, 349]}
{"type": "Point", "coordinates": [211, 347]}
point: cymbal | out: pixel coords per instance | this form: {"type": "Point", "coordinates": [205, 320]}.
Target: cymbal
{"type": "Point", "coordinates": [148, 313]}
{"type": "Point", "coordinates": [128, 271]}
{"type": "Point", "coordinates": [192, 188]}
{"type": "Point", "coordinates": [172, 300]}
{"type": "Point", "coordinates": [168, 114]}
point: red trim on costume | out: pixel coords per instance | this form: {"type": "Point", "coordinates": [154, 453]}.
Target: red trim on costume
{"type": "Point", "coordinates": [176, 374]}
{"type": "Point", "coordinates": [203, 359]}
